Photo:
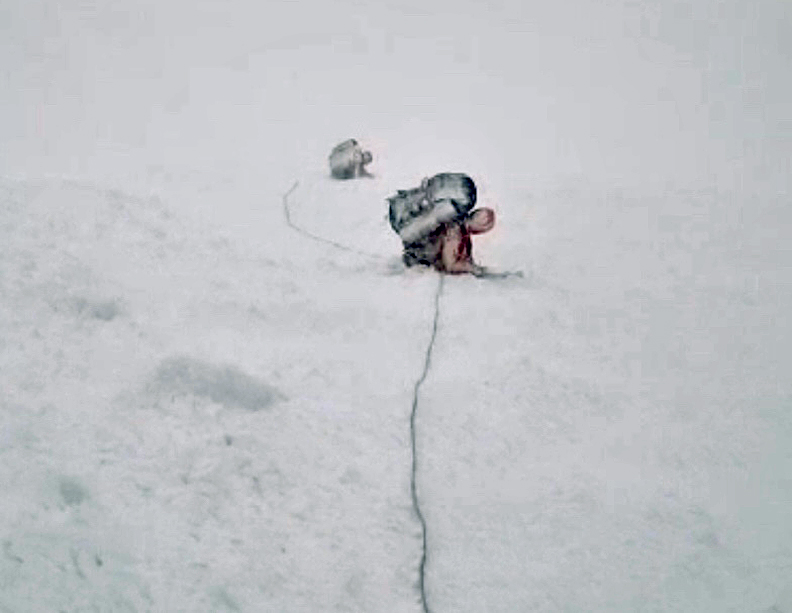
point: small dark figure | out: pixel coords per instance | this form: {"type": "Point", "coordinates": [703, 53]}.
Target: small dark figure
{"type": "Point", "coordinates": [449, 248]}
{"type": "Point", "coordinates": [348, 160]}
{"type": "Point", "coordinates": [435, 222]}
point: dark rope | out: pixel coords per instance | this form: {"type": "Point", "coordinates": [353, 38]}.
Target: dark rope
{"type": "Point", "coordinates": [321, 239]}
{"type": "Point", "coordinates": [413, 488]}
{"type": "Point", "coordinates": [427, 361]}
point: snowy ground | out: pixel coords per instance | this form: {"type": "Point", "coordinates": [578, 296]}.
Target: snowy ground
{"type": "Point", "coordinates": [204, 410]}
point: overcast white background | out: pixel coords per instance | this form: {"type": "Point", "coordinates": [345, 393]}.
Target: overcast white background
{"type": "Point", "coordinates": [203, 410]}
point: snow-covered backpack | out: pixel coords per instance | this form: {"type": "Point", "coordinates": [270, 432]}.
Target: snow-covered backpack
{"type": "Point", "coordinates": [347, 160]}
{"type": "Point", "coordinates": [416, 213]}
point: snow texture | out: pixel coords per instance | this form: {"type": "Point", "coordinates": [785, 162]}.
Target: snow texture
{"type": "Point", "coordinates": [208, 375]}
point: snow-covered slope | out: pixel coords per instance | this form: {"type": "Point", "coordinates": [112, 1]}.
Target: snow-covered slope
{"type": "Point", "coordinates": [623, 443]}
{"type": "Point", "coordinates": [190, 425]}
{"type": "Point", "coordinates": [204, 409]}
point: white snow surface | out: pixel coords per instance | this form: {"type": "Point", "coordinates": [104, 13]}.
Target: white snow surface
{"type": "Point", "coordinates": [203, 409]}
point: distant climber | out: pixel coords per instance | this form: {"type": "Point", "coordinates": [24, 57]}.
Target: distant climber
{"type": "Point", "coordinates": [436, 220]}
{"type": "Point", "coordinates": [348, 160]}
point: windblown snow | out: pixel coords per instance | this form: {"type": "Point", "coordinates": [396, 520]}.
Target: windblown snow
{"type": "Point", "coordinates": [204, 408]}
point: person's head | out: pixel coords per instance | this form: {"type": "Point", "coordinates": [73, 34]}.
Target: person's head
{"type": "Point", "coordinates": [480, 221]}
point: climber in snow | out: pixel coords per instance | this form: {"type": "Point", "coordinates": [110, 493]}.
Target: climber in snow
{"type": "Point", "coordinates": [436, 220]}
{"type": "Point", "coordinates": [348, 160]}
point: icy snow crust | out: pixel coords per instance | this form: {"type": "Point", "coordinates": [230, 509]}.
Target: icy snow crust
{"type": "Point", "coordinates": [203, 408]}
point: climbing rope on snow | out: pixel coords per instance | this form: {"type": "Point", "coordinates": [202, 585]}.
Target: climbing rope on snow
{"type": "Point", "coordinates": [316, 237]}
{"type": "Point", "coordinates": [414, 471]}
{"type": "Point", "coordinates": [427, 361]}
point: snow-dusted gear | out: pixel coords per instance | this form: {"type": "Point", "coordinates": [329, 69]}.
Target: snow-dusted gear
{"type": "Point", "coordinates": [347, 160]}
{"type": "Point", "coordinates": [418, 212]}
{"type": "Point", "coordinates": [449, 248]}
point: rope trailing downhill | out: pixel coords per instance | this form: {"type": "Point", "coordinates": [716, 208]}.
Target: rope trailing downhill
{"type": "Point", "coordinates": [427, 361]}
{"type": "Point", "coordinates": [413, 487]}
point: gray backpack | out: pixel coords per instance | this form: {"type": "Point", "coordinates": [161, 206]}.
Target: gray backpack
{"type": "Point", "coordinates": [347, 160]}
{"type": "Point", "coordinates": [416, 213]}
